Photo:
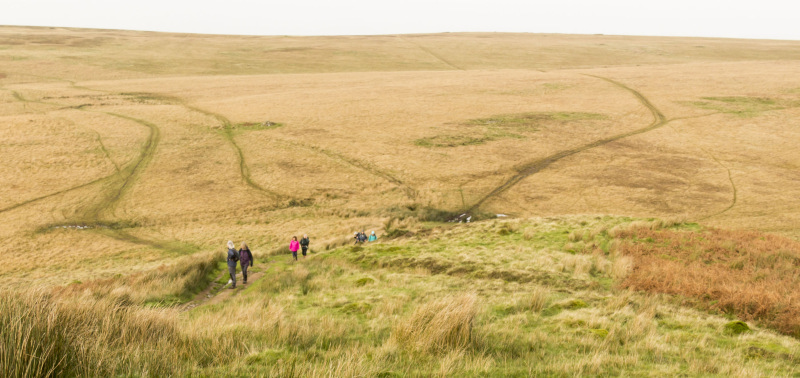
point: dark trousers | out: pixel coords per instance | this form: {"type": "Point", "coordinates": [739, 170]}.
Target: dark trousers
{"type": "Point", "coordinates": [244, 272]}
{"type": "Point", "coordinates": [294, 254]}
{"type": "Point", "coordinates": [305, 249]}
{"type": "Point", "coordinates": [232, 272]}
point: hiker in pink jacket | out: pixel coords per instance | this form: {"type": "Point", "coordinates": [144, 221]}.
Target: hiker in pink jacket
{"type": "Point", "coordinates": [294, 246]}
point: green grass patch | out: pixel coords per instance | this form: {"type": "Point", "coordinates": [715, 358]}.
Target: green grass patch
{"type": "Point", "coordinates": [149, 98]}
{"type": "Point", "coordinates": [533, 119]}
{"type": "Point", "coordinates": [453, 140]}
{"type": "Point", "coordinates": [743, 106]}
{"type": "Point", "coordinates": [504, 126]}
{"type": "Point", "coordinates": [250, 126]}
{"type": "Point", "coordinates": [736, 327]}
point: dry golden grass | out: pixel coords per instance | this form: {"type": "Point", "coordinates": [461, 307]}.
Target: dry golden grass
{"type": "Point", "coordinates": [440, 326]}
{"type": "Point", "coordinates": [127, 155]}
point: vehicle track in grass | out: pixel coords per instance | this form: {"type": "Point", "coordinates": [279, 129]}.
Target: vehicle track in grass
{"type": "Point", "coordinates": [734, 191]}
{"type": "Point", "coordinates": [431, 53]}
{"type": "Point", "coordinates": [126, 174]}
{"type": "Point", "coordinates": [227, 132]}
{"type": "Point", "coordinates": [120, 183]}
{"type": "Point", "coordinates": [130, 173]}
{"type": "Point", "coordinates": [21, 98]}
{"type": "Point", "coordinates": [410, 192]}
{"type": "Point", "coordinates": [533, 167]}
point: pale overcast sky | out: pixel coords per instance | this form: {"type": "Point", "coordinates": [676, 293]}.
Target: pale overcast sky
{"type": "Point", "coordinates": [707, 18]}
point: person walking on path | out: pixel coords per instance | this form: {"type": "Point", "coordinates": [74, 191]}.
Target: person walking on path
{"type": "Point", "coordinates": [304, 244]}
{"type": "Point", "coordinates": [233, 257]}
{"type": "Point", "coordinates": [362, 236]}
{"type": "Point", "coordinates": [294, 246]}
{"type": "Point", "coordinates": [372, 237]}
{"type": "Point", "coordinates": [245, 260]}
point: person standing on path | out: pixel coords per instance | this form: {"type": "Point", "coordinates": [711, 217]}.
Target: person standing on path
{"type": "Point", "coordinates": [245, 260]}
{"type": "Point", "coordinates": [233, 257]}
{"type": "Point", "coordinates": [304, 244]}
{"type": "Point", "coordinates": [372, 237]}
{"type": "Point", "coordinates": [294, 246]}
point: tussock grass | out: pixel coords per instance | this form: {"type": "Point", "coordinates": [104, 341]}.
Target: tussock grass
{"type": "Point", "coordinates": [43, 336]}
{"type": "Point", "coordinates": [536, 300]}
{"type": "Point", "coordinates": [168, 285]}
{"type": "Point", "coordinates": [440, 326]}
{"type": "Point", "coordinates": [312, 318]}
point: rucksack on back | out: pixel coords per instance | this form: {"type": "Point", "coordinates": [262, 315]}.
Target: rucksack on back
{"type": "Point", "coordinates": [235, 256]}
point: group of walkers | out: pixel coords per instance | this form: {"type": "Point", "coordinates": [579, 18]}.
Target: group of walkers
{"type": "Point", "coordinates": [294, 245]}
{"type": "Point", "coordinates": [244, 257]}
{"type": "Point", "coordinates": [361, 237]}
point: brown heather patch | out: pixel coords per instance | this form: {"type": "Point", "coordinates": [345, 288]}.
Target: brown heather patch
{"type": "Point", "coordinates": [751, 275]}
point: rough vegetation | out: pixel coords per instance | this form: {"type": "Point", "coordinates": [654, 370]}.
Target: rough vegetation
{"type": "Point", "coordinates": [489, 166]}
{"type": "Point", "coordinates": [373, 312]}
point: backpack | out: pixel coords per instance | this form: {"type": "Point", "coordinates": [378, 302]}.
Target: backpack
{"type": "Point", "coordinates": [235, 256]}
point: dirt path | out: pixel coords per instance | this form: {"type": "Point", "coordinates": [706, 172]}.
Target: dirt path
{"type": "Point", "coordinates": [217, 293]}
{"type": "Point", "coordinates": [535, 166]}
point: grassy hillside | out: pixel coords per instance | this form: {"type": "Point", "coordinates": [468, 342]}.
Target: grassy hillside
{"type": "Point", "coordinates": [542, 296]}
{"type": "Point", "coordinates": [130, 158]}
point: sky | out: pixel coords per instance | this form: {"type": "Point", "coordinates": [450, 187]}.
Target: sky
{"type": "Point", "coordinates": [763, 19]}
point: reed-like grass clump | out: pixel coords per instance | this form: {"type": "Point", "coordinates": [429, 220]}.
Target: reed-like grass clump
{"type": "Point", "coordinates": [439, 326]}
{"type": "Point", "coordinates": [43, 336]}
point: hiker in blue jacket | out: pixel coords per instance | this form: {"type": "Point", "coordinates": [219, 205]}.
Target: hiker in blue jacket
{"type": "Point", "coordinates": [372, 237]}
{"type": "Point", "coordinates": [233, 257]}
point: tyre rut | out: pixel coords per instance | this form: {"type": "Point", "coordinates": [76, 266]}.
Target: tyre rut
{"type": "Point", "coordinates": [728, 170]}
{"type": "Point", "coordinates": [431, 53]}
{"type": "Point", "coordinates": [536, 166]}
{"type": "Point", "coordinates": [410, 192]}
{"type": "Point", "coordinates": [130, 173]}
{"type": "Point", "coordinates": [21, 98]}
{"type": "Point", "coordinates": [244, 170]}
{"type": "Point", "coordinates": [121, 181]}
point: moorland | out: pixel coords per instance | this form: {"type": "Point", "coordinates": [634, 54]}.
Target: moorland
{"type": "Point", "coordinates": [546, 204]}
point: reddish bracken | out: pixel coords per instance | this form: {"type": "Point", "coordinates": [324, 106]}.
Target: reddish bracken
{"type": "Point", "coordinates": [752, 275]}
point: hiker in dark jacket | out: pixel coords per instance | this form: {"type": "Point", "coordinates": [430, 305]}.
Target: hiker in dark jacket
{"type": "Point", "coordinates": [304, 244]}
{"type": "Point", "coordinates": [245, 260]}
{"type": "Point", "coordinates": [233, 257]}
